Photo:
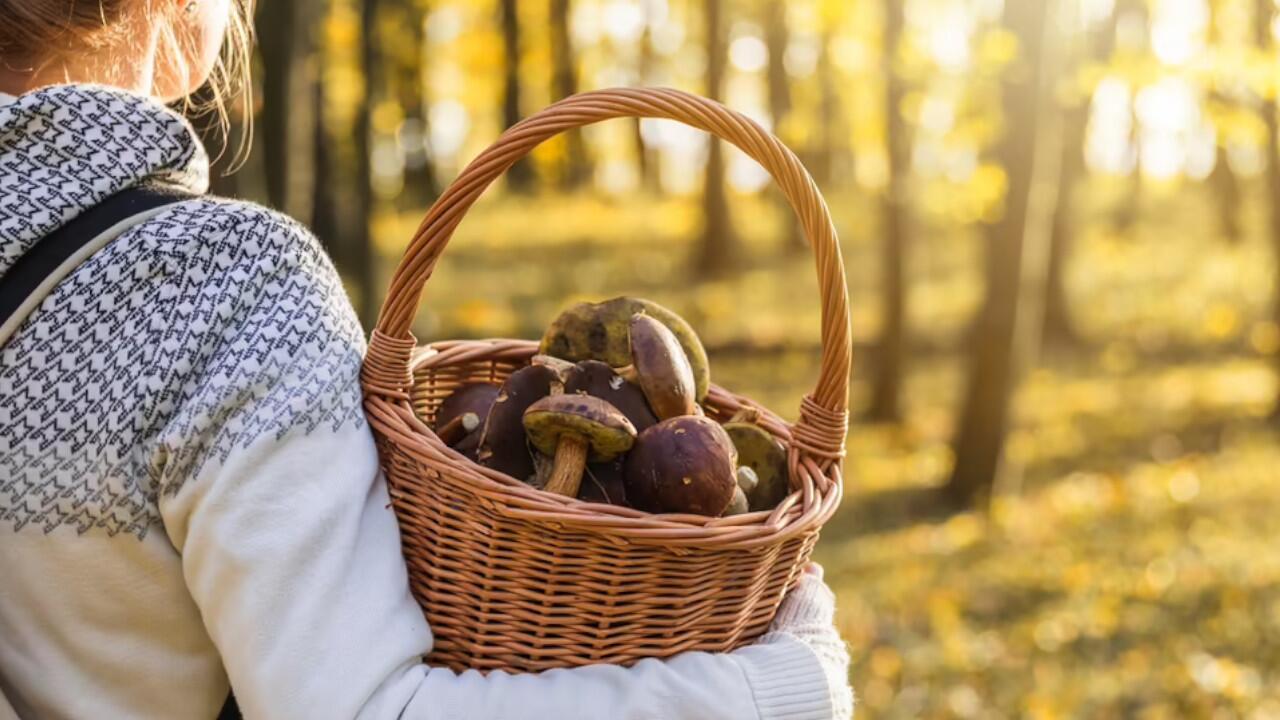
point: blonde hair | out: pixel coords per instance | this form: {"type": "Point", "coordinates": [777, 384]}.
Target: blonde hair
{"type": "Point", "coordinates": [34, 31]}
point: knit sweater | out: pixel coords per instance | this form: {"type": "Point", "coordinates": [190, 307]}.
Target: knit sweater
{"type": "Point", "coordinates": [189, 492]}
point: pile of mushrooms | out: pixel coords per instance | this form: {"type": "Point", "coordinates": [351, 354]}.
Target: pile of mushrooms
{"type": "Point", "coordinates": [609, 412]}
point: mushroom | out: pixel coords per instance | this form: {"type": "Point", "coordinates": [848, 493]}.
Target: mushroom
{"type": "Point", "coordinates": [738, 504]}
{"type": "Point", "coordinates": [661, 369]}
{"type": "Point", "coordinates": [592, 377]}
{"type": "Point", "coordinates": [765, 457]}
{"type": "Point", "coordinates": [574, 429]}
{"type": "Point", "coordinates": [600, 331]}
{"type": "Point", "coordinates": [461, 416]}
{"type": "Point", "coordinates": [683, 464]}
{"type": "Point", "coordinates": [603, 483]}
{"type": "Point", "coordinates": [503, 446]}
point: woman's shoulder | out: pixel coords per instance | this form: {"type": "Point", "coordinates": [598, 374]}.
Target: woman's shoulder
{"type": "Point", "coordinates": [220, 252]}
{"type": "Point", "coordinates": [212, 224]}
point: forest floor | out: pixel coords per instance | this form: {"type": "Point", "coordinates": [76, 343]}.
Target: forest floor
{"type": "Point", "coordinates": [1129, 566]}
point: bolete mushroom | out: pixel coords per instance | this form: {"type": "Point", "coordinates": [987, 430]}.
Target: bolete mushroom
{"type": "Point", "coordinates": [661, 369]}
{"type": "Point", "coordinates": [574, 429]}
{"type": "Point", "coordinates": [684, 464]}
{"type": "Point", "coordinates": [461, 416]}
{"type": "Point", "coordinates": [601, 331]}
{"type": "Point", "coordinates": [503, 446]}
{"type": "Point", "coordinates": [592, 377]}
{"type": "Point", "coordinates": [759, 451]}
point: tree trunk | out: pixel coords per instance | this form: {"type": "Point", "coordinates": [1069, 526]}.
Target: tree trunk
{"type": "Point", "coordinates": [577, 168]}
{"type": "Point", "coordinates": [286, 37]}
{"type": "Point", "coordinates": [979, 441]}
{"type": "Point", "coordinates": [891, 348]}
{"type": "Point", "coordinates": [520, 176]}
{"type": "Point", "coordinates": [828, 159]}
{"type": "Point", "coordinates": [719, 241]}
{"type": "Point", "coordinates": [363, 261]}
{"type": "Point", "coordinates": [1223, 180]}
{"type": "Point", "coordinates": [646, 160]}
{"type": "Point", "coordinates": [324, 221]}
{"type": "Point", "coordinates": [1264, 12]}
{"type": "Point", "coordinates": [420, 184]}
{"type": "Point", "coordinates": [1059, 329]}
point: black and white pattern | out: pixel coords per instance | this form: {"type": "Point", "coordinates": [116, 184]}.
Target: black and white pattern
{"type": "Point", "coordinates": [212, 326]}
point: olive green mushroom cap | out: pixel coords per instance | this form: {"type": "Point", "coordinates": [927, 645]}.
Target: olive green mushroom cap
{"type": "Point", "coordinates": [607, 431]}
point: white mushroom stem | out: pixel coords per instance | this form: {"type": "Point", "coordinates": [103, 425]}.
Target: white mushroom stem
{"type": "Point", "coordinates": [570, 462]}
{"type": "Point", "coordinates": [458, 428]}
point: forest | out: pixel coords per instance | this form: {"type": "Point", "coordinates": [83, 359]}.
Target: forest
{"type": "Point", "coordinates": [1061, 222]}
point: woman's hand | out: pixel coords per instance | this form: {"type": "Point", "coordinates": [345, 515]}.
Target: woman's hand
{"type": "Point", "coordinates": [807, 614]}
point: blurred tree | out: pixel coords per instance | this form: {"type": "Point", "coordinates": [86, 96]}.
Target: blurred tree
{"type": "Point", "coordinates": [1059, 330]}
{"type": "Point", "coordinates": [1264, 21]}
{"type": "Point", "coordinates": [719, 241]}
{"type": "Point", "coordinates": [777, 36]}
{"type": "Point", "coordinates": [324, 220]}
{"type": "Point", "coordinates": [520, 176]}
{"type": "Point", "coordinates": [983, 424]}
{"type": "Point", "coordinates": [1134, 14]}
{"type": "Point", "coordinates": [564, 82]}
{"type": "Point", "coordinates": [646, 158]}
{"type": "Point", "coordinates": [891, 348]}
{"type": "Point", "coordinates": [286, 32]}
{"type": "Point", "coordinates": [1223, 180]}
{"type": "Point", "coordinates": [408, 65]}
{"type": "Point", "coordinates": [830, 151]}
{"type": "Point", "coordinates": [359, 250]}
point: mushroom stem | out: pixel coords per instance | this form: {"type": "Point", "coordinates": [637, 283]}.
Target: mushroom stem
{"type": "Point", "coordinates": [571, 460]}
{"type": "Point", "coordinates": [458, 428]}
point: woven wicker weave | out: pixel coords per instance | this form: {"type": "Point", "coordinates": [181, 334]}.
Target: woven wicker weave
{"type": "Point", "coordinates": [518, 579]}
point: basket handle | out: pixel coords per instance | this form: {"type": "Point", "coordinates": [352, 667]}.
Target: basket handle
{"type": "Point", "coordinates": [823, 419]}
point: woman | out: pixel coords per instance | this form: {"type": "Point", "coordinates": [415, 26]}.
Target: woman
{"type": "Point", "coordinates": [189, 494]}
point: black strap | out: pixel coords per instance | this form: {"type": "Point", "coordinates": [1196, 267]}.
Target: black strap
{"type": "Point", "coordinates": [49, 253]}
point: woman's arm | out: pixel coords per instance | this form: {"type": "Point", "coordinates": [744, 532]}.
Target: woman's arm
{"type": "Point", "coordinates": [271, 493]}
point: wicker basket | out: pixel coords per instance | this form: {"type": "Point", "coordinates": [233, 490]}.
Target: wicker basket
{"type": "Point", "coordinates": [517, 579]}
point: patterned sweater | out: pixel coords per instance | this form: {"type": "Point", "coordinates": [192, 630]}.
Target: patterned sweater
{"type": "Point", "coordinates": [189, 493]}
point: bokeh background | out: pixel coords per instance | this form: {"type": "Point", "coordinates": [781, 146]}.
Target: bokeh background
{"type": "Point", "coordinates": [1061, 220]}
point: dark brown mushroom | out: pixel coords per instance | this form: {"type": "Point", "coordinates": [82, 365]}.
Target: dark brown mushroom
{"type": "Point", "coordinates": [684, 464]}
{"type": "Point", "coordinates": [765, 456]}
{"type": "Point", "coordinates": [453, 425]}
{"type": "Point", "coordinates": [574, 429]}
{"type": "Point", "coordinates": [592, 377]}
{"type": "Point", "coordinates": [603, 483]}
{"type": "Point", "coordinates": [661, 369]}
{"type": "Point", "coordinates": [600, 331]}
{"type": "Point", "coordinates": [503, 446]}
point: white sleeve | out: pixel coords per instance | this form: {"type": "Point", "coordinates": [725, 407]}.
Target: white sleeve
{"type": "Point", "coordinates": [272, 495]}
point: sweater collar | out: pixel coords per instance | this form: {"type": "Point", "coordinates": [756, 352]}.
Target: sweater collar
{"type": "Point", "coordinates": [65, 148]}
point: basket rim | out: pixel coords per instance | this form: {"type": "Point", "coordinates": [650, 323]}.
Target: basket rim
{"type": "Point", "coordinates": [806, 508]}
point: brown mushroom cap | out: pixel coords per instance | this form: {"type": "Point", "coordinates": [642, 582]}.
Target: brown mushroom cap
{"type": "Point", "coordinates": [607, 431]}
{"type": "Point", "coordinates": [600, 331]}
{"type": "Point", "coordinates": [661, 368]}
{"type": "Point", "coordinates": [592, 377]}
{"type": "Point", "coordinates": [503, 446]}
{"type": "Point", "coordinates": [684, 464]}
{"type": "Point", "coordinates": [760, 451]}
